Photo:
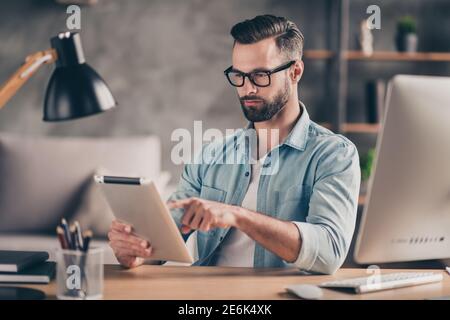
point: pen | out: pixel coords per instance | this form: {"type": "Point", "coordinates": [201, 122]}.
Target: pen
{"type": "Point", "coordinates": [73, 236]}
{"type": "Point", "coordinates": [67, 234]}
{"type": "Point", "coordinates": [87, 239]}
{"type": "Point", "coordinates": [61, 237]}
{"type": "Point", "coordinates": [79, 236]}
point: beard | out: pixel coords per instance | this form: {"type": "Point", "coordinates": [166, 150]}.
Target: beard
{"type": "Point", "coordinates": [268, 108]}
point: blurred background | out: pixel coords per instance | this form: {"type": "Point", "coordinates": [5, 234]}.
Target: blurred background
{"type": "Point", "coordinates": [163, 59]}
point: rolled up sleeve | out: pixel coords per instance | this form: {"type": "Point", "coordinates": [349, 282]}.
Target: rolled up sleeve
{"type": "Point", "coordinates": [327, 233]}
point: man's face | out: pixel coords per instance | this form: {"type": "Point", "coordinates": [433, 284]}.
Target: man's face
{"type": "Point", "coordinates": [262, 103]}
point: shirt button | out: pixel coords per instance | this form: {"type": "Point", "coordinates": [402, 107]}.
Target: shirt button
{"type": "Point", "coordinates": [247, 174]}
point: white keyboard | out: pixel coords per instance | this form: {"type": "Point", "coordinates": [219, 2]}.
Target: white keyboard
{"type": "Point", "coordinates": [384, 282]}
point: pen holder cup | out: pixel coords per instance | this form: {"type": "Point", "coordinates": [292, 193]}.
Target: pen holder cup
{"type": "Point", "coordinates": [79, 274]}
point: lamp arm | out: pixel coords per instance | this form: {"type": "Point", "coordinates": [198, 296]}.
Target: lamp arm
{"type": "Point", "coordinates": [26, 70]}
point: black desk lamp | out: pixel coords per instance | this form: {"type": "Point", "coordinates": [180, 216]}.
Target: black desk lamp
{"type": "Point", "coordinates": [75, 90]}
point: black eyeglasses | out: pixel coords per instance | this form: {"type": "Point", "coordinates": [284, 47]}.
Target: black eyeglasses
{"type": "Point", "coordinates": [258, 78]}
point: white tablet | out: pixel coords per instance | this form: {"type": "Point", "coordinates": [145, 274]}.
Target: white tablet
{"type": "Point", "coordinates": [137, 202]}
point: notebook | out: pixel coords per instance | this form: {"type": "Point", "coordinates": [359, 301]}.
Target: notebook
{"type": "Point", "coordinates": [16, 261]}
{"type": "Point", "coordinates": [40, 273]}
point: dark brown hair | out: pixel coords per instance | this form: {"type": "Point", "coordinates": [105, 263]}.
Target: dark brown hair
{"type": "Point", "coordinates": [288, 37]}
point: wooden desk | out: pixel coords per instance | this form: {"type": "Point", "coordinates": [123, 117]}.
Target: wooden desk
{"type": "Point", "coordinates": [173, 282]}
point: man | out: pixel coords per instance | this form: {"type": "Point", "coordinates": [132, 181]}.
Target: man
{"type": "Point", "coordinates": [296, 204]}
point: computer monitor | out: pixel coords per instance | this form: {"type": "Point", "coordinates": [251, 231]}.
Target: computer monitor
{"type": "Point", "coordinates": [407, 213]}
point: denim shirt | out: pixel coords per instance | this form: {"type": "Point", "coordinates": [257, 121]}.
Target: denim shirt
{"type": "Point", "coordinates": [311, 179]}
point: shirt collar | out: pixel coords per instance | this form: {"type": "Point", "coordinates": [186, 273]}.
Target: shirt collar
{"type": "Point", "coordinates": [298, 136]}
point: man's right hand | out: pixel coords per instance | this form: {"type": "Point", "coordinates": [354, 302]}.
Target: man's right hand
{"type": "Point", "coordinates": [130, 250]}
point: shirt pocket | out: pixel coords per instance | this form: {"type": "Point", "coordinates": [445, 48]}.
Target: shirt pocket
{"type": "Point", "coordinates": [293, 203]}
{"type": "Point", "coordinates": [213, 194]}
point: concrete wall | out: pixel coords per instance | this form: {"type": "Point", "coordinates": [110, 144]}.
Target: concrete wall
{"type": "Point", "coordinates": [164, 60]}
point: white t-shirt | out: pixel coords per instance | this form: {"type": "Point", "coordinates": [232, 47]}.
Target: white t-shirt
{"type": "Point", "coordinates": [238, 249]}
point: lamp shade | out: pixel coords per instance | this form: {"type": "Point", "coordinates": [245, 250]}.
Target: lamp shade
{"type": "Point", "coordinates": [75, 90]}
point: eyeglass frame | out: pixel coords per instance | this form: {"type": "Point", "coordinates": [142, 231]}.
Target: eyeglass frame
{"type": "Point", "coordinates": [249, 74]}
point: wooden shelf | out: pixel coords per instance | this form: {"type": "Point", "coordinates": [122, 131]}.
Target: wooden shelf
{"type": "Point", "coordinates": [380, 55]}
{"type": "Point", "coordinates": [361, 199]}
{"type": "Point", "coordinates": [361, 127]}
{"type": "Point", "coordinates": [399, 56]}
{"type": "Point", "coordinates": [356, 127]}
{"type": "Point", "coordinates": [318, 54]}
{"type": "Point", "coordinates": [326, 125]}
